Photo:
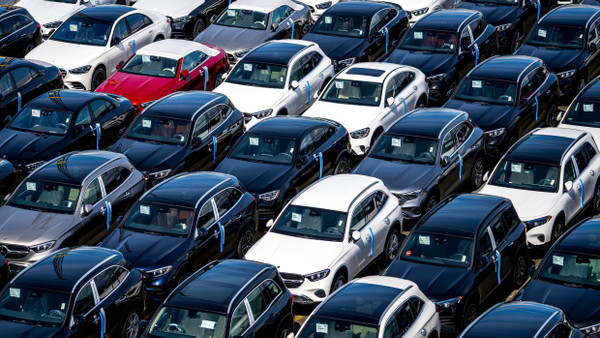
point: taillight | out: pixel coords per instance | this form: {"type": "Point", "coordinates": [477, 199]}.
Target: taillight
{"type": "Point", "coordinates": [144, 177]}
{"type": "Point", "coordinates": [37, 24]}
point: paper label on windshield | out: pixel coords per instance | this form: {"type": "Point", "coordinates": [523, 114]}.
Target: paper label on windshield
{"type": "Point", "coordinates": [145, 58]}
{"type": "Point", "coordinates": [328, 20]}
{"type": "Point", "coordinates": [424, 240]}
{"type": "Point", "coordinates": [321, 328]}
{"type": "Point", "coordinates": [542, 33]}
{"type": "Point", "coordinates": [248, 67]}
{"type": "Point", "coordinates": [73, 27]}
{"type": "Point", "coordinates": [146, 123]}
{"type": "Point", "coordinates": [476, 84]}
{"type": "Point", "coordinates": [396, 142]}
{"type": "Point", "coordinates": [516, 167]}
{"type": "Point", "coordinates": [339, 84]}
{"type": "Point", "coordinates": [418, 35]}
{"type": "Point", "coordinates": [35, 112]}
{"type": "Point", "coordinates": [208, 324]}
{"type": "Point", "coordinates": [30, 186]}
{"type": "Point", "coordinates": [14, 292]}
{"type": "Point", "coordinates": [62, 306]}
{"type": "Point", "coordinates": [588, 107]}
{"type": "Point", "coordinates": [253, 141]}
{"type": "Point", "coordinates": [558, 260]}
{"type": "Point", "coordinates": [296, 217]}
{"type": "Point", "coordinates": [230, 12]}
{"type": "Point", "coordinates": [144, 209]}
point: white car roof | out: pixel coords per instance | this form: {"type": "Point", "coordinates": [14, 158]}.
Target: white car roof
{"type": "Point", "coordinates": [175, 48]}
{"type": "Point", "coordinates": [264, 6]}
{"type": "Point", "coordinates": [387, 68]}
{"type": "Point", "coordinates": [564, 132]}
{"type": "Point", "coordinates": [391, 282]}
{"type": "Point", "coordinates": [335, 192]}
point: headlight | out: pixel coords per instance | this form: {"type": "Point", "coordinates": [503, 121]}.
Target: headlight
{"type": "Point", "coordinates": [324, 5]}
{"type": "Point", "coordinates": [241, 53]}
{"type": "Point", "coordinates": [80, 70]}
{"type": "Point", "coordinates": [360, 133]}
{"type": "Point", "coordinates": [262, 114]}
{"type": "Point", "coordinates": [146, 104]}
{"type": "Point", "coordinates": [591, 330]}
{"type": "Point", "coordinates": [447, 304]}
{"type": "Point", "coordinates": [53, 24]}
{"type": "Point", "coordinates": [313, 277]}
{"type": "Point", "coordinates": [269, 196]}
{"type": "Point", "coordinates": [495, 133]}
{"type": "Point", "coordinates": [34, 165]}
{"type": "Point", "coordinates": [183, 19]}
{"type": "Point", "coordinates": [42, 247]}
{"type": "Point", "coordinates": [566, 74]}
{"type": "Point", "coordinates": [503, 27]}
{"type": "Point", "coordinates": [537, 222]}
{"type": "Point", "coordinates": [409, 196]}
{"type": "Point", "coordinates": [436, 78]}
{"type": "Point", "coordinates": [346, 62]}
{"type": "Point", "coordinates": [420, 11]}
{"type": "Point", "coordinates": [160, 174]}
{"type": "Point", "coordinates": [159, 272]}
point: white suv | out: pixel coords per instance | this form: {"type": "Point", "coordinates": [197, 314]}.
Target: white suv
{"type": "Point", "coordinates": [330, 232]}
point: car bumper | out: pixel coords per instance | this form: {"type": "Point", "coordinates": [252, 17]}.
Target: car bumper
{"type": "Point", "coordinates": [266, 210]}
{"type": "Point", "coordinates": [497, 146]}
{"type": "Point", "coordinates": [305, 291]}
{"type": "Point", "coordinates": [77, 81]}
{"type": "Point", "coordinates": [358, 146]}
{"type": "Point", "coordinates": [180, 30]}
{"type": "Point", "coordinates": [540, 235]}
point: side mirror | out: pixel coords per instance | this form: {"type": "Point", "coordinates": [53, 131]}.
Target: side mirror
{"type": "Point", "coordinates": [304, 159]}
{"type": "Point", "coordinates": [120, 65]}
{"type": "Point", "coordinates": [201, 233]}
{"type": "Point", "coordinates": [87, 209]}
{"type": "Point", "coordinates": [227, 149]}
{"type": "Point", "coordinates": [449, 93]}
{"type": "Point", "coordinates": [483, 261]}
{"type": "Point", "coordinates": [196, 141]}
{"type": "Point", "coordinates": [294, 84]}
{"type": "Point", "coordinates": [445, 161]}
{"type": "Point", "coordinates": [7, 119]}
{"type": "Point", "coordinates": [115, 41]}
{"type": "Point", "coordinates": [223, 76]}
{"type": "Point", "coordinates": [486, 176]}
{"type": "Point", "coordinates": [213, 18]}
{"type": "Point", "coordinates": [291, 335]}
{"type": "Point", "coordinates": [5, 198]}
{"type": "Point", "coordinates": [142, 325]}
{"type": "Point", "coordinates": [78, 320]}
{"type": "Point", "coordinates": [78, 129]}
{"type": "Point", "coordinates": [593, 47]}
{"type": "Point", "coordinates": [389, 101]}
{"type": "Point", "coordinates": [355, 236]}
{"type": "Point", "coordinates": [524, 102]}
{"type": "Point", "coordinates": [270, 223]}
{"type": "Point", "coordinates": [122, 132]}
{"type": "Point", "coordinates": [274, 26]}
{"type": "Point", "coordinates": [119, 219]}
{"type": "Point", "coordinates": [568, 186]}
{"type": "Point", "coordinates": [465, 53]}
{"type": "Point", "coordinates": [184, 74]}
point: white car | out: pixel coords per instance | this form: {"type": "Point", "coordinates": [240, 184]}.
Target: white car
{"type": "Point", "coordinates": [330, 232]}
{"type": "Point", "coordinates": [317, 7]}
{"type": "Point", "coordinates": [277, 78]}
{"type": "Point", "coordinates": [51, 13]}
{"type": "Point", "coordinates": [417, 9]}
{"type": "Point", "coordinates": [91, 43]}
{"type": "Point", "coordinates": [550, 175]}
{"type": "Point", "coordinates": [367, 97]}
{"type": "Point", "coordinates": [374, 306]}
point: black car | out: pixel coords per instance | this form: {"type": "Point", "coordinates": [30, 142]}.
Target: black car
{"type": "Point", "coordinates": [4, 271]}
{"type": "Point", "coordinates": [507, 97]}
{"type": "Point", "coordinates": [584, 112]}
{"type": "Point", "coordinates": [462, 254]}
{"type": "Point", "coordinates": [8, 177]}
{"type": "Point", "coordinates": [425, 156]}
{"type": "Point", "coordinates": [19, 32]}
{"type": "Point", "coordinates": [231, 298]}
{"type": "Point", "coordinates": [184, 131]}
{"type": "Point", "coordinates": [567, 40]}
{"type": "Point", "coordinates": [569, 277]}
{"type": "Point", "coordinates": [444, 45]}
{"type": "Point", "coordinates": [175, 228]}
{"type": "Point", "coordinates": [351, 32]}
{"type": "Point", "coordinates": [62, 121]}
{"type": "Point", "coordinates": [190, 25]}
{"type": "Point", "coordinates": [280, 156]}
{"type": "Point", "coordinates": [27, 79]}
{"type": "Point", "coordinates": [527, 319]}
{"type": "Point", "coordinates": [74, 292]}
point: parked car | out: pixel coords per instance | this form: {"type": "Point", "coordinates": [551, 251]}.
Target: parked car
{"type": "Point", "coordinates": [584, 112]}
{"type": "Point", "coordinates": [189, 17]}
{"type": "Point", "coordinates": [74, 292]}
{"type": "Point", "coordinates": [567, 277]}
{"type": "Point", "coordinates": [86, 51]}
{"type": "Point", "coordinates": [416, 9]}
{"type": "Point", "coordinates": [226, 299]}
{"type": "Point", "coordinates": [187, 131]}
{"type": "Point", "coordinates": [174, 229]}
{"type": "Point", "coordinates": [317, 7]}
{"type": "Point", "coordinates": [20, 32]}
{"type": "Point", "coordinates": [329, 233]}
{"type": "Point", "coordinates": [284, 74]}
{"type": "Point", "coordinates": [549, 175]}
{"type": "Point", "coordinates": [527, 319]}
{"type": "Point", "coordinates": [462, 254]}
{"type": "Point", "coordinates": [425, 156]}
{"type": "Point", "coordinates": [445, 45]}
{"type": "Point", "coordinates": [368, 97]}
{"type": "Point", "coordinates": [165, 67]}
{"type": "Point", "coordinates": [351, 32]}
{"type": "Point", "coordinates": [59, 122]}
{"type": "Point", "coordinates": [567, 40]}
{"type": "Point", "coordinates": [247, 24]}
{"type": "Point", "coordinates": [71, 200]}
{"type": "Point", "coordinates": [507, 97]}
{"type": "Point", "coordinates": [4, 271]}
{"type": "Point", "coordinates": [8, 179]}
{"type": "Point", "coordinates": [281, 156]}
{"type": "Point", "coordinates": [374, 306]}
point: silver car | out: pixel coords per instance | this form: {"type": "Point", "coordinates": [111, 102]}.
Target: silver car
{"type": "Point", "coordinates": [74, 199]}
{"type": "Point", "coordinates": [246, 24]}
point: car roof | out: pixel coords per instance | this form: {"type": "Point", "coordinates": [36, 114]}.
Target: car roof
{"type": "Point", "coordinates": [107, 13]}
{"type": "Point", "coordinates": [263, 5]}
{"type": "Point", "coordinates": [584, 238]}
{"type": "Point", "coordinates": [215, 288]}
{"type": "Point", "coordinates": [9, 9]}
{"type": "Point", "coordinates": [182, 105]}
{"type": "Point", "coordinates": [335, 192]}
{"type": "Point", "coordinates": [74, 167]}
{"type": "Point", "coordinates": [429, 122]}
{"type": "Point", "coordinates": [449, 20]}
{"type": "Point", "coordinates": [570, 15]}
{"type": "Point", "coordinates": [187, 189]}
{"type": "Point", "coordinates": [275, 52]}
{"type": "Point", "coordinates": [175, 48]}
{"type": "Point", "coordinates": [508, 68]}
{"type": "Point", "coordinates": [461, 216]}
{"type": "Point", "coordinates": [8, 63]}
{"type": "Point", "coordinates": [70, 100]}
{"type": "Point", "coordinates": [369, 71]}
{"type": "Point", "coordinates": [591, 92]}
{"type": "Point", "coordinates": [62, 270]}
{"type": "Point", "coordinates": [288, 126]}
{"type": "Point", "coordinates": [546, 146]}
{"type": "Point", "coordinates": [355, 7]}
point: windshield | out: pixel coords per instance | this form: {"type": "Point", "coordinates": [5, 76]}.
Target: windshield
{"type": "Point", "coordinates": [312, 223]}
{"type": "Point", "coordinates": [46, 196]}
{"type": "Point", "coordinates": [151, 65]}
{"type": "Point", "coordinates": [265, 149]}
{"type": "Point", "coordinates": [487, 91]}
{"type": "Point", "coordinates": [572, 268]}
{"type": "Point", "coordinates": [243, 18]}
{"type": "Point", "coordinates": [33, 306]}
{"type": "Point", "coordinates": [83, 30]}
{"type": "Point", "coordinates": [438, 249]}
{"type": "Point", "coordinates": [523, 175]}
{"type": "Point", "coordinates": [174, 322]}
{"type": "Point", "coordinates": [42, 120]}
{"type": "Point", "coordinates": [405, 149]}
{"type": "Point", "coordinates": [160, 130]}
{"type": "Point", "coordinates": [429, 41]}
{"type": "Point", "coordinates": [353, 92]}
{"type": "Point", "coordinates": [557, 36]}
{"type": "Point", "coordinates": [159, 219]}
{"type": "Point", "coordinates": [348, 25]}
{"type": "Point", "coordinates": [258, 74]}
{"type": "Point", "coordinates": [498, 2]}
{"type": "Point", "coordinates": [584, 114]}
{"type": "Point", "coordinates": [325, 327]}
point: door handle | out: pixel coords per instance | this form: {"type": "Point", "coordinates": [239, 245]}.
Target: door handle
{"type": "Point", "coordinates": [592, 172]}
{"type": "Point", "coordinates": [95, 319]}
{"type": "Point", "coordinates": [150, 31]}
{"type": "Point", "coordinates": [510, 245]}
{"type": "Point", "coordinates": [103, 210]}
{"type": "Point", "coordinates": [414, 87]}
{"type": "Point", "coordinates": [423, 332]}
{"type": "Point", "coordinates": [127, 194]}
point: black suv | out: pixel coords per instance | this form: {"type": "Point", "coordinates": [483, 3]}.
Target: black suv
{"type": "Point", "coordinates": [19, 32]}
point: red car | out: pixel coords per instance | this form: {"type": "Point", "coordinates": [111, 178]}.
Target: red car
{"type": "Point", "coordinates": [165, 67]}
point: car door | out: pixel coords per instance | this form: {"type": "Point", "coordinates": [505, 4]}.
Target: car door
{"type": "Point", "coordinates": [195, 78]}
{"type": "Point", "coordinates": [110, 124]}
{"type": "Point", "coordinates": [261, 325]}
{"type": "Point", "coordinates": [483, 37]}
{"type": "Point", "coordinates": [507, 255]}
{"type": "Point", "coordinates": [22, 76]}
{"type": "Point", "coordinates": [313, 75]}
{"type": "Point", "coordinates": [118, 193]}
{"type": "Point", "coordinates": [467, 153]}
{"type": "Point", "coordinates": [121, 46]}
{"type": "Point", "coordinates": [85, 301]}
{"type": "Point", "coordinates": [400, 322]}
{"type": "Point", "coordinates": [200, 156]}
{"type": "Point", "coordinates": [207, 236]}
{"type": "Point", "coordinates": [324, 149]}
{"type": "Point", "coordinates": [280, 19]}
{"type": "Point", "coordinates": [141, 32]}
{"type": "Point", "coordinates": [571, 199]}
{"type": "Point", "coordinates": [8, 92]}
{"type": "Point", "coordinates": [486, 279]}
{"type": "Point", "coordinates": [466, 63]}
{"type": "Point", "coordinates": [309, 83]}
{"type": "Point", "coordinates": [450, 163]}
{"type": "Point", "coordinates": [392, 100]}
{"type": "Point", "coordinates": [380, 22]}
{"type": "Point", "coordinates": [83, 135]}
{"type": "Point", "coordinates": [527, 105]}
{"type": "Point", "coordinates": [586, 175]}
{"type": "Point", "coordinates": [110, 290]}
{"type": "Point", "coordinates": [225, 202]}
{"type": "Point", "coordinates": [306, 172]}
{"type": "Point", "coordinates": [593, 60]}
{"type": "Point", "coordinates": [370, 222]}
{"type": "Point", "coordinates": [94, 223]}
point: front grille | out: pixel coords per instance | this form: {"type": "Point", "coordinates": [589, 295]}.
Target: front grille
{"type": "Point", "coordinates": [292, 280]}
{"type": "Point", "coordinates": [448, 323]}
{"type": "Point", "coordinates": [177, 34]}
{"type": "Point", "coordinates": [63, 72]}
{"type": "Point", "coordinates": [77, 85]}
{"type": "Point", "coordinates": [13, 251]}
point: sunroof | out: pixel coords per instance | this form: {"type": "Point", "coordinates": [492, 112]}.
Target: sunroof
{"type": "Point", "coordinates": [366, 72]}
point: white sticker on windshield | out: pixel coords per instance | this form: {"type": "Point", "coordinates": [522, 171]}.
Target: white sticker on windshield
{"type": "Point", "coordinates": [322, 328]}
{"type": "Point", "coordinates": [339, 84]}
{"type": "Point", "coordinates": [231, 12]}
{"type": "Point", "coordinates": [67, 120]}
{"type": "Point", "coordinates": [14, 292]}
{"type": "Point", "coordinates": [296, 217]}
{"type": "Point", "coordinates": [30, 186]}
{"type": "Point", "coordinates": [253, 141]}
{"type": "Point", "coordinates": [35, 112]}
{"type": "Point", "coordinates": [558, 260]}
{"type": "Point", "coordinates": [328, 20]}
{"type": "Point", "coordinates": [62, 306]}
{"type": "Point", "coordinates": [208, 324]}
{"type": "Point", "coordinates": [588, 107]}
{"type": "Point", "coordinates": [146, 123]}
{"type": "Point", "coordinates": [144, 209]}
{"type": "Point", "coordinates": [476, 83]}
{"type": "Point", "coordinates": [516, 167]}
{"type": "Point", "coordinates": [145, 58]}
{"type": "Point", "coordinates": [424, 240]}
{"type": "Point", "coordinates": [73, 27]}
{"type": "Point", "coordinates": [542, 33]}
{"type": "Point", "coordinates": [248, 67]}
{"type": "Point", "coordinates": [396, 142]}
{"type": "Point", "coordinates": [418, 35]}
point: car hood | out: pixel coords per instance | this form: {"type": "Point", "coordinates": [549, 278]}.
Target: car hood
{"type": "Point", "coordinates": [11, 329]}
{"type": "Point", "coordinates": [65, 55]}
{"type": "Point", "coordinates": [495, 14]}
{"type": "Point", "coordinates": [244, 98]}
{"type": "Point", "coordinates": [172, 8]}
{"type": "Point", "coordinates": [352, 117]}
{"type": "Point", "coordinates": [138, 88]}
{"type": "Point", "coordinates": [295, 254]}
{"type": "Point", "coordinates": [30, 227]}
{"type": "Point", "coordinates": [438, 283]}
{"type": "Point", "coordinates": [523, 200]}
{"type": "Point", "coordinates": [48, 11]}
{"type": "Point", "coordinates": [398, 177]}
{"type": "Point", "coordinates": [149, 157]}
{"type": "Point", "coordinates": [256, 177]}
{"type": "Point", "coordinates": [486, 116]}
{"type": "Point", "coordinates": [558, 60]}
{"type": "Point", "coordinates": [337, 47]}
{"type": "Point", "coordinates": [428, 63]}
{"type": "Point", "coordinates": [21, 147]}
{"type": "Point", "coordinates": [580, 305]}
{"type": "Point", "coordinates": [231, 39]}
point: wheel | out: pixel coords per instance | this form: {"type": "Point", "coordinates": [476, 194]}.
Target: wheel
{"type": "Point", "coordinates": [182, 276]}
{"type": "Point", "coordinates": [374, 138]}
{"type": "Point", "coordinates": [452, 87]}
{"type": "Point", "coordinates": [199, 26]}
{"type": "Point", "coordinates": [245, 242]}
{"type": "Point", "coordinates": [338, 281]}
{"type": "Point", "coordinates": [342, 166]}
{"type": "Point", "coordinates": [158, 38]}
{"type": "Point", "coordinates": [520, 272]}
{"type": "Point", "coordinates": [392, 245]}
{"type": "Point", "coordinates": [514, 45]}
{"type": "Point", "coordinates": [98, 77]}
{"type": "Point", "coordinates": [421, 103]}
{"type": "Point", "coordinates": [469, 313]}
{"type": "Point", "coordinates": [285, 328]}
{"type": "Point", "coordinates": [130, 327]}
{"type": "Point", "coordinates": [477, 174]}
{"type": "Point", "coordinates": [558, 228]}
{"type": "Point", "coordinates": [432, 201]}
{"type": "Point", "coordinates": [30, 46]}
{"type": "Point", "coordinates": [596, 204]}
{"type": "Point", "coordinates": [552, 118]}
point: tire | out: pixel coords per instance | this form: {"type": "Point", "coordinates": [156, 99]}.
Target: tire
{"type": "Point", "coordinates": [421, 103]}
{"type": "Point", "coordinates": [451, 87]}
{"type": "Point", "coordinates": [392, 245]}
{"type": "Point", "coordinates": [245, 241]}
{"type": "Point", "coordinates": [469, 312]}
{"type": "Point", "coordinates": [30, 46]}
{"type": "Point", "coordinates": [596, 200]}
{"type": "Point", "coordinates": [199, 26]}
{"type": "Point", "coordinates": [285, 328]}
{"type": "Point", "coordinates": [338, 281]}
{"type": "Point", "coordinates": [514, 44]}
{"type": "Point", "coordinates": [98, 77]}
{"type": "Point", "coordinates": [512, 140]}
{"type": "Point", "coordinates": [558, 228]}
{"type": "Point", "coordinates": [374, 138]}
{"type": "Point", "coordinates": [520, 272]}
{"type": "Point", "coordinates": [432, 201]}
{"type": "Point", "coordinates": [342, 166]}
{"type": "Point", "coordinates": [551, 119]}
{"type": "Point", "coordinates": [130, 326]}
{"type": "Point", "coordinates": [477, 173]}
{"type": "Point", "coordinates": [182, 276]}
{"type": "Point", "coordinates": [158, 38]}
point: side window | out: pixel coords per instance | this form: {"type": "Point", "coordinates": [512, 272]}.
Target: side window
{"type": "Point", "coordinates": [136, 22]}
{"type": "Point", "coordinates": [358, 219]}
{"type": "Point", "coordinates": [109, 279]}
{"type": "Point", "coordinates": [214, 117]}
{"type": "Point", "coordinates": [257, 299]}
{"type": "Point", "coordinates": [511, 219]}
{"type": "Point", "coordinates": [380, 199]}
{"type": "Point", "coordinates": [272, 289]}
{"type": "Point", "coordinates": [281, 13]}
{"type": "Point", "coordinates": [21, 76]}
{"type": "Point", "coordinates": [306, 146]}
{"type": "Point", "coordinates": [296, 73]}
{"type": "Point", "coordinates": [484, 245]}
{"type": "Point", "coordinates": [559, 331]}
{"type": "Point", "coordinates": [240, 321]}
{"type": "Point", "coordinates": [448, 145]}
{"type": "Point", "coordinates": [206, 216]}
{"type": "Point", "coordinates": [83, 117]}
{"type": "Point", "coordinates": [201, 127]}
{"type": "Point", "coordinates": [392, 89]}
{"type": "Point", "coordinates": [416, 304]}
{"type": "Point", "coordinates": [370, 208]}
{"type": "Point", "coordinates": [192, 60]}
{"type": "Point", "coordinates": [85, 300]}
{"type": "Point", "coordinates": [93, 193]}
{"type": "Point", "coordinates": [24, 20]}
{"type": "Point", "coordinates": [7, 85]}
{"type": "Point", "coordinates": [527, 86]}
{"type": "Point", "coordinates": [477, 27]}
{"type": "Point", "coordinates": [114, 178]}
{"type": "Point", "coordinates": [319, 136]}
{"type": "Point", "coordinates": [379, 20]}
{"type": "Point", "coordinates": [316, 58]}
{"type": "Point", "coordinates": [10, 25]}
{"type": "Point", "coordinates": [465, 38]}
{"type": "Point", "coordinates": [538, 78]}
{"type": "Point", "coordinates": [405, 318]}
{"type": "Point", "coordinates": [121, 30]}
{"type": "Point", "coordinates": [225, 112]}
{"type": "Point", "coordinates": [307, 64]}
{"type": "Point", "coordinates": [391, 328]}
{"type": "Point", "coordinates": [223, 201]}
{"type": "Point", "coordinates": [569, 173]}
{"type": "Point", "coordinates": [101, 108]}
{"type": "Point", "coordinates": [463, 131]}
{"type": "Point", "coordinates": [497, 227]}
{"type": "Point", "coordinates": [581, 160]}
{"type": "Point", "coordinates": [593, 34]}
{"type": "Point", "coordinates": [364, 213]}
{"type": "Point", "coordinates": [589, 151]}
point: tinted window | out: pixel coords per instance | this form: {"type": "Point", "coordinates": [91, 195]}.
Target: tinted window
{"type": "Point", "coordinates": [109, 279]}
{"type": "Point", "coordinates": [226, 199]}
{"type": "Point", "coordinates": [201, 127]}
{"type": "Point", "coordinates": [484, 245]}
{"type": "Point", "coordinates": [465, 38]}
{"type": "Point", "coordinates": [257, 299]}
{"type": "Point", "coordinates": [136, 22]}
{"type": "Point", "coordinates": [448, 146]}
{"type": "Point", "coordinates": [193, 60]}
{"type": "Point", "coordinates": [214, 117]}
{"type": "Point", "coordinates": [404, 318]}
{"type": "Point", "coordinates": [560, 331]}
{"type": "Point", "coordinates": [319, 136]}
{"type": "Point", "coordinates": [272, 289]}
{"type": "Point", "coordinates": [392, 89]}
{"type": "Point", "coordinates": [207, 215]}
{"type": "Point", "coordinates": [498, 230]}
{"type": "Point", "coordinates": [281, 13]}
{"type": "Point", "coordinates": [581, 159]}
{"type": "Point", "coordinates": [296, 72]}
{"type": "Point", "coordinates": [570, 174]}
{"type": "Point", "coordinates": [7, 85]}
{"type": "Point", "coordinates": [538, 78]}
{"type": "Point", "coordinates": [114, 178]}
{"type": "Point", "coordinates": [240, 320]}
{"type": "Point", "coordinates": [589, 151]}
{"type": "Point", "coordinates": [477, 27]}
{"type": "Point", "coordinates": [101, 108]}
{"type": "Point", "coordinates": [85, 300]}
{"type": "Point", "coordinates": [22, 76]}
{"type": "Point", "coordinates": [307, 64]}
{"type": "Point", "coordinates": [416, 304]}
{"type": "Point", "coordinates": [10, 25]}
{"type": "Point", "coordinates": [364, 213]}
{"type": "Point", "coordinates": [121, 30]}
{"type": "Point", "coordinates": [92, 194]}
{"type": "Point", "coordinates": [511, 219]}
{"type": "Point", "coordinates": [463, 131]}
{"type": "Point", "coordinates": [83, 117]}
{"type": "Point", "coordinates": [307, 145]}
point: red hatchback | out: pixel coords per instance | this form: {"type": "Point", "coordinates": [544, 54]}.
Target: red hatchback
{"type": "Point", "coordinates": [165, 67]}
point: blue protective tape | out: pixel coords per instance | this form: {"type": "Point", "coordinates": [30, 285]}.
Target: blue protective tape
{"type": "Point", "coordinates": [205, 77]}
{"type": "Point", "coordinates": [307, 93]}
{"type": "Point", "coordinates": [372, 241]}
{"type": "Point", "coordinates": [538, 10]}
{"type": "Point", "coordinates": [403, 106]}
{"type": "Point", "coordinates": [476, 54]}
{"type": "Point", "coordinates": [537, 108]}
{"type": "Point", "coordinates": [460, 165]}
{"type": "Point", "coordinates": [133, 46]}
{"type": "Point", "coordinates": [320, 165]}
{"type": "Point", "coordinates": [387, 38]}
{"type": "Point", "coordinates": [18, 102]}
{"type": "Point", "coordinates": [222, 241]}
{"type": "Point", "coordinates": [97, 128]}
{"type": "Point", "coordinates": [581, 192]}
{"type": "Point", "coordinates": [292, 22]}
{"type": "Point", "coordinates": [214, 149]}
{"type": "Point", "coordinates": [107, 204]}
{"type": "Point", "coordinates": [499, 262]}
{"type": "Point", "coordinates": [101, 325]}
